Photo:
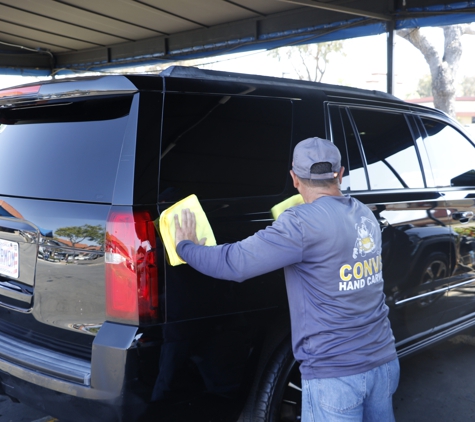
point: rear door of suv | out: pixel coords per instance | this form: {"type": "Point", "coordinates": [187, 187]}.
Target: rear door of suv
{"type": "Point", "coordinates": [233, 153]}
{"type": "Point", "coordinates": [385, 169]}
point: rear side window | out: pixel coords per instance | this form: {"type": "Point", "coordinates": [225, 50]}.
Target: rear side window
{"type": "Point", "coordinates": [389, 149]}
{"type": "Point", "coordinates": [66, 151]}
{"type": "Point", "coordinates": [222, 147]}
{"type": "Point", "coordinates": [380, 149]}
{"type": "Point", "coordinates": [452, 155]}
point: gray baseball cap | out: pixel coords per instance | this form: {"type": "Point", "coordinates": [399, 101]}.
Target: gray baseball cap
{"type": "Point", "coordinates": [316, 150]}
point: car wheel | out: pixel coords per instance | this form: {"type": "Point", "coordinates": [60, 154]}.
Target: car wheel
{"type": "Point", "coordinates": [434, 267]}
{"type": "Point", "coordinates": [278, 393]}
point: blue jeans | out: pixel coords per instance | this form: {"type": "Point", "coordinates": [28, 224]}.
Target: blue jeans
{"type": "Point", "coordinates": [361, 397]}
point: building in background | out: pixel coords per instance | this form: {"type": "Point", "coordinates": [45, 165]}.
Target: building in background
{"type": "Point", "coordinates": [464, 110]}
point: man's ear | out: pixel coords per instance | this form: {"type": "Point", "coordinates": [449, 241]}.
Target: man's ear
{"type": "Point", "coordinates": [340, 174]}
{"type": "Point", "coordinates": [295, 179]}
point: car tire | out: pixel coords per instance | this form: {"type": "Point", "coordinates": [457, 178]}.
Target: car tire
{"type": "Point", "coordinates": [434, 267]}
{"type": "Point", "coordinates": [277, 393]}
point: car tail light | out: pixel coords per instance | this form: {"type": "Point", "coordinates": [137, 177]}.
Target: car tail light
{"type": "Point", "coordinates": [19, 91]}
{"type": "Point", "coordinates": [131, 270]}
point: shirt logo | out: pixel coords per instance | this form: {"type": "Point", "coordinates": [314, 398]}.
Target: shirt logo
{"type": "Point", "coordinates": [367, 270]}
{"type": "Point", "coordinates": [364, 241]}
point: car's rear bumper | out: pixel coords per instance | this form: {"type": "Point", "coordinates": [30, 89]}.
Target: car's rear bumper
{"type": "Point", "coordinates": [100, 390]}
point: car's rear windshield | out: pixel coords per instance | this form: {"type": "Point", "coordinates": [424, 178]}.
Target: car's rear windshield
{"type": "Point", "coordinates": [68, 150]}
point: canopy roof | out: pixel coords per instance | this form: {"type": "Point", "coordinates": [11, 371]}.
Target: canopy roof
{"type": "Point", "coordinates": [49, 36]}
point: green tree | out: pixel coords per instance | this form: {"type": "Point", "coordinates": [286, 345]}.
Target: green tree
{"type": "Point", "coordinates": [309, 61]}
{"type": "Point", "coordinates": [424, 87]}
{"type": "Point", "coordinates": [76, 234]}
{"type": "Point", "coordinates": [468, 86]}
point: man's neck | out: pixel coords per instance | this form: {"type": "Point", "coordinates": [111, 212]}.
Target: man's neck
{"type": "Point", "coordinates": [312, 194]}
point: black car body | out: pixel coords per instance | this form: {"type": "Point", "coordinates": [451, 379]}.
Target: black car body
{"type": "Point", "coordinates": [96, 325]}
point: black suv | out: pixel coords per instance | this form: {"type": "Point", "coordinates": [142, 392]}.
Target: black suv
{"type": "Point", "coordinates": [95, 324]}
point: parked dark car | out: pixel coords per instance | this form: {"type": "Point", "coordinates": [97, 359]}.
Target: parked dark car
{"type": "Point", "coordinates": [86, 167]}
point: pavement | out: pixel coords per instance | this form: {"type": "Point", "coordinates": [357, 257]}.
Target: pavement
{"type": "Point", "coordinates": [17, 412]}
{"type": "Point", "coordinates": [437, 385]}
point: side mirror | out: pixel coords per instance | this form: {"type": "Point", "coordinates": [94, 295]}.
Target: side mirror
{"type": "Point", "coordinates": [465, 179]}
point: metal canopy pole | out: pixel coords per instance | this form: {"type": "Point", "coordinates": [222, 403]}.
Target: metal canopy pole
{"type": "Point", "coordinates": [390, 57]}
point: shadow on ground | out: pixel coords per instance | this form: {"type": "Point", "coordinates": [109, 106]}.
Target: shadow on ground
{"type": "Point", "coordinates": [438, 385]}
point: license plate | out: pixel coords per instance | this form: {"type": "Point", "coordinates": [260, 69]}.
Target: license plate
{"type": "Point", "coordinates": [9, 258]}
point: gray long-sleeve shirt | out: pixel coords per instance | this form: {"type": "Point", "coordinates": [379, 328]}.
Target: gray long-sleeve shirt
{"type": "Point", "coordinates": [331, 254]}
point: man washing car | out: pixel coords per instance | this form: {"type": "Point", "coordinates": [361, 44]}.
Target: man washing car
{"type": "Point", "coordinates": [330, 249]}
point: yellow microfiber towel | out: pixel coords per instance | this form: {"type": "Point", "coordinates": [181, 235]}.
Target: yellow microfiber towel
{"type": "Point", "coordinates": [278, 209]}
{"type": "Point", "coordinates": [166, 226]}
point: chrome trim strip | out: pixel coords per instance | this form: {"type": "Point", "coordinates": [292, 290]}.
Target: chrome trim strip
{"type": "Point", "coordinates": [444, 289]}
{"type": "Point", "coordinates": [403, 352]}
{"type": "Point", "coordinates": [44, 361]}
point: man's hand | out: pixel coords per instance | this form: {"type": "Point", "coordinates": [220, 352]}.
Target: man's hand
{"type": "Point", "coordinates": [187, 229]}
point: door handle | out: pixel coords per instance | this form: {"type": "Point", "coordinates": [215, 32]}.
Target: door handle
{"type": "Point", "coordinates": [463, 217]}
{"type": "Point", "coordinates": [383, 223]}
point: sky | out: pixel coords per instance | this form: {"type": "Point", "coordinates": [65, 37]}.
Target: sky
{"type": "Point", "coordinates": [363, 64]}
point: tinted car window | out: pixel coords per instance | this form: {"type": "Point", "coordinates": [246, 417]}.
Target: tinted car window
{"type": "Point", "coordinates": [345, 139]}
{"type": "Point", "coordinates": [389, 149]}
{"type": "Point", "coordinates": [67, 151]}
{"type": "Point", "coordinates": [147, 152]}
{"type": "Point", "coordinates": [218, 147]}
{"type": "Point", "coordinates": [450, 153]}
